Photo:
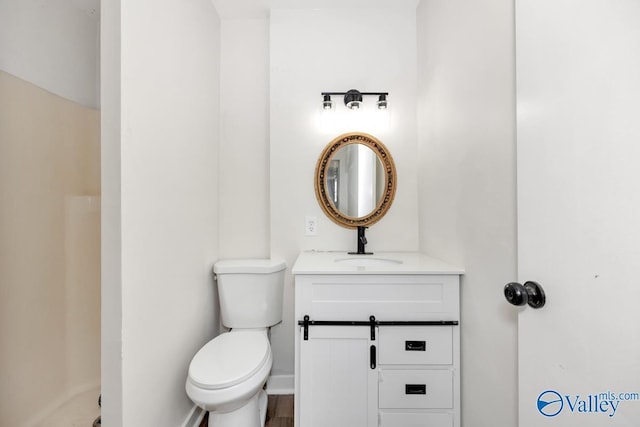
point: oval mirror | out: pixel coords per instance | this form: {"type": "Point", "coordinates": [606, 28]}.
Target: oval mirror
{"type": "Point", "coordinates": [355, 180]}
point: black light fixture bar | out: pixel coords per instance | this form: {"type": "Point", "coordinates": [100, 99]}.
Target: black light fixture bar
{"type": "Point", "coordinates": [361, 93]}
{"type": "Point", "coordinates": [353, 99]}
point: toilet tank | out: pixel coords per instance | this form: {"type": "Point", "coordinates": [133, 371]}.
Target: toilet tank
{"type": "Point", "coordinates": [250, 292]}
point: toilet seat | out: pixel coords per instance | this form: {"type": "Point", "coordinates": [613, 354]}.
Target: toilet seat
{"type": "Point", "coordinates": [229, 359]}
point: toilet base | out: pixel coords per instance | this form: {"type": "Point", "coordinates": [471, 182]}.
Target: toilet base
{"type": "Point", "coordinates": [252, 414]}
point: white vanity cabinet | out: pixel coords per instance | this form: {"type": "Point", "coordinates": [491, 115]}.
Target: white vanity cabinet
{"type": "Point", "coordinates": [377, 341]}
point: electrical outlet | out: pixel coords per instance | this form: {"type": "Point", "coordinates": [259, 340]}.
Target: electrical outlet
{"type": "Point", "coordinates": [310, 225]}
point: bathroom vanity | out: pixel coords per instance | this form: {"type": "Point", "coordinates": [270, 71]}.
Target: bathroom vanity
{"type": "Point", "coordinates": [377, 340]}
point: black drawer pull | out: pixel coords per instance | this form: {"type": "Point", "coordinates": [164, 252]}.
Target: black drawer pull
{"type": "Point", "coordinates": [415, 389]}
{"type": "Point", "coordinates": [415, 345]}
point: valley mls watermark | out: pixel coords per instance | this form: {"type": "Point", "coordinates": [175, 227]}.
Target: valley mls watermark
{"type": "Point", "coordinates": [551, 403]}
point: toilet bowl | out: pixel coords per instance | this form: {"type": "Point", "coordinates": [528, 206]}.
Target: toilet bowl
{"type": "Point", "coordinates": [227, 376]}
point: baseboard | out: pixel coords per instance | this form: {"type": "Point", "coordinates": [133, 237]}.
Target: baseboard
{"type": "Point", "coordinates": [280, 384]}
{"type": "Point", "coordinates": [195, 417]}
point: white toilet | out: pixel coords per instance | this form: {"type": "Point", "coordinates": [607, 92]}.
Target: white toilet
{"type": "Point", "coordinates": [226, 377]}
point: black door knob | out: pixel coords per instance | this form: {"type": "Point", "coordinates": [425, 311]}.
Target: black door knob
{"type": "Point", "coordinates": [530, 293]}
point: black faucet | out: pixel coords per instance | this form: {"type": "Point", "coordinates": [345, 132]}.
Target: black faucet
{"type": "Point", "coordinates": [362, 240]}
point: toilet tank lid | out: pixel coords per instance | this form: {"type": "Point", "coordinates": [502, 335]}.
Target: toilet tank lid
{"type": "Point", "coordinates": [249, 266]}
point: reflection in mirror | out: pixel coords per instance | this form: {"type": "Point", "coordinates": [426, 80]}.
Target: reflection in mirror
{"type": "Point", "coordinates": [333, 182]}
{"type": "Point", "coordinates": [355, 180]}
{"type": "Point", "coordinates": [356, 173]}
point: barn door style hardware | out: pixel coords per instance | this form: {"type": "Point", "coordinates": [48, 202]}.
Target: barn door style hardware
{"type": "Point", "coordinates": [371, 323]}
{"type": "Point", "coordinates": [306, 322]}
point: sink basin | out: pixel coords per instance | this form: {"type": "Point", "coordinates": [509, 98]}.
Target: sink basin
{"type": "Point", "coordinates": [368, 262]}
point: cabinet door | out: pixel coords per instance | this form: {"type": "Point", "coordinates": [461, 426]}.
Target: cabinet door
{"type": "Point", "coordinates": [338, 388]}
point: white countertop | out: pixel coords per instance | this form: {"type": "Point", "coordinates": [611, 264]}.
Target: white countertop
{"type": "Point", "coordinates": [316, 262]}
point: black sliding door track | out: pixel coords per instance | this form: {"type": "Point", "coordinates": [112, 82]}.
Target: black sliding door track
{"type": "Point", "coordinates": [372, 323]}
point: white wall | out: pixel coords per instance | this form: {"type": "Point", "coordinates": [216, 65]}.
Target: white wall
{"type": "Point", "coordinates": [244, 145]}
{"type": "Point", "coordinates": [467, 187]}
{"type": "Point", "coordinates": [52, 44]}
{"type": "Point", "coordinates": [160, 190]}
{"type": "Point", "coordinates": [111, 222]}
{"type": "Point", "coordinates": [336, 49]}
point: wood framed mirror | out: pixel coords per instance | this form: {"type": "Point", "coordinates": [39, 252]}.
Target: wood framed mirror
{"type": "Point", "coordinates": [355, 180]}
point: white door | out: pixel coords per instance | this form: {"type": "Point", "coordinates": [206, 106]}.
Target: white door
{"type": "Point", "coordinates": [578, 123]}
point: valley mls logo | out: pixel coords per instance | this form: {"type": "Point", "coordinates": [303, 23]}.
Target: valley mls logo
{"type": "Point", "coordinates": [551, 403]}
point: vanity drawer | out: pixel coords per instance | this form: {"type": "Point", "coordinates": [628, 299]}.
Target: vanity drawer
{"type": "Point", "coordinates": [416, 345]}
{"type": "Point", "coordinates": [415, 419]}
{"type": "Point", "coordinates": [420, 389]}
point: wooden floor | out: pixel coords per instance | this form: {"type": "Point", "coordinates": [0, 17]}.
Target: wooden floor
{"type": "Point", "coordinates": [279, 412]}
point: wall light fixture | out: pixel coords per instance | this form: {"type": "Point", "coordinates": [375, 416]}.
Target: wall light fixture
{"type": "Point", "coordinates": [353, 99]}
